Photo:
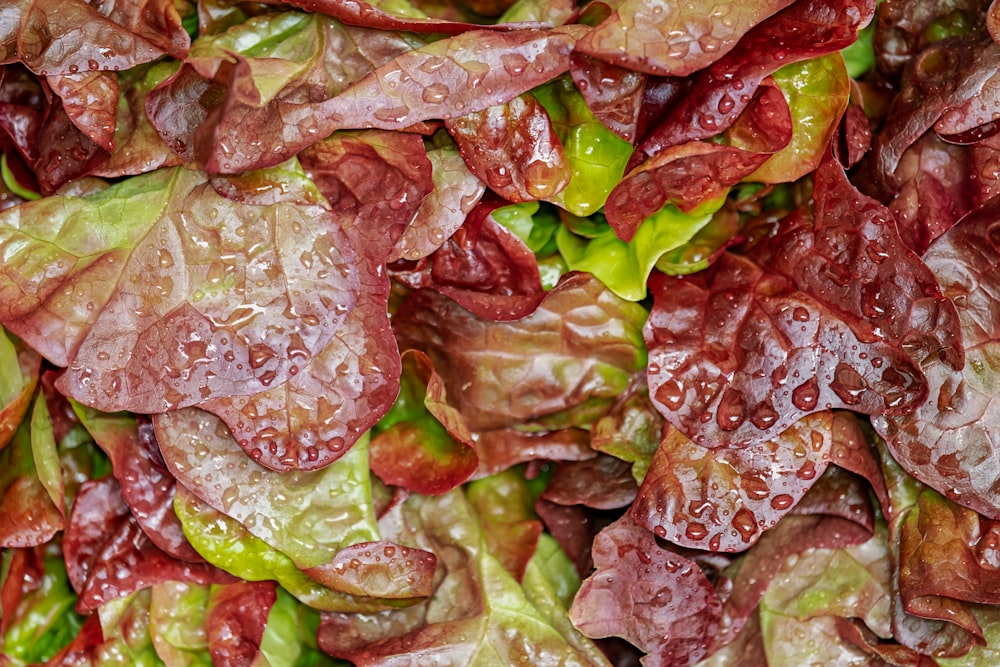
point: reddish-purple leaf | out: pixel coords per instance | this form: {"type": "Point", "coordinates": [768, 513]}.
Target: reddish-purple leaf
{"type": "Point", "coordinates": [656, 599]}
{"type": "Point", "coordinates": [429, 449]}
{"type": "Point", "coordinates": [723, 500]}
{"type": "Point", "coordinates": [686, 175]}
{"type": "Point", "coordinates": [21, 372]}
{"type": "Point", "coordinates": [793, 534]}
{"type": "Point", "coordinates": [108, 555]}
{"type": "Point", "coordinates": [945, 74]}
{"type": "Point", "coordinates": [374, 181]}
{"type": "Point", "coordinates": [359, 13]}
{"type": "Point", "coordinates": [672, 39]}
{"type": "Point", "coordinates": [91, 102]}
{"type": "Point", "coordinates": [501, 449]}
{"type": "Point", "coordinates": [145, 485]}
{"type": "Point", "coordinates": [935, 191]}
{"type": "Point", "coordinates": [850, 257]}
{"type": "Point", "coordinates": [483, 267]}
{"type": "Point", "coordinates": [721, 92]}
{"type": "Point", "coordinates": [736, 356]}
{"type": "Point", "coordinates": [504, 505]}
{"type": "Point", "coordinates": [603, 482]}
{"type": "Point", "coordinates": [28, 514]}
{"type": "Point", "coordinates": [382, 570]}
{"type": "Point", "coordinates": [574, 528]}
{"type": "Point", "coordinates": [572, 356]}
{"type": "Point", "coordinates": [236, 620]}
{"type": "Point", "coordinates": [513, 148]}
{"type": "Point", "coordinates": [950, 441]}
{"type": "Point", "coordinates": [456, 193]}
{"type": "Point", "coordinates": [452, 77]}
{"type": "Point", "coordinates": [213, 109]}
{"type": "Point", "coordinates": [614, 94]}
{"type": "Point", "coordinates": [76, 36]}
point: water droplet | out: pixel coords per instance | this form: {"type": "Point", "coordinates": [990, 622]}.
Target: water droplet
{"type": "Point", "coordinates": [848, 384]}
{"type": "Point", "coordinates": [260, 354]}
{"type": "Point", "coordinates": [807, 471]}
{"type": "Point", "coordinates": [726, 104]}
{"type": "Point", "coordinates": [782, 501]}
{"type": "Point", "coordinates": [93, 65]}
{"type": "Point", "coordinates": [755, 485]}
{"type": "Point", "coordinates": [670, 394]}
{"type": "Point", "coordinates": [806, 395]}
{"type": "Point", "coordinates": [731, 413]}
{"type": "Point", "coordinates": [745, 524]}
{"type": "Point", "coordinates": [800, 314]}
{"type": "Point", "coordinates": [764, 415]}
{"type": "Point", "coordinates": [435, 93]}
{"type": "Point", "coordinates": [696, 531]}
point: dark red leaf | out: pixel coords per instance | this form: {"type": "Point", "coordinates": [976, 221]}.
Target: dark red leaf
{"type": "Point", "coordinates": [236, 620]}
{"type": "Point", "coordinates": [657, 600]}
{"type": "Point", "coordinates": [501, 449]}
{"type": "Point", "coordinates": [949, 441]}
{"type": "Point", "coordinates": [513, 148]}
{"type": "Point", "coordinates": [383, 570]}
{"type": "Point", "coordinates": [614, 94]}
{"type": "Point", "coordinates": [603, 482]}
{"type": "Point", "coordinates": [672, 39]}
{"type": "Point", "coordinates": [852, 260]}
{"type": "Point", "coordinates": [145, 485]}
{"type": "Point", "coordinates": [736, 356]}
{"type": "Point", "coordinates": [483, 267]}
{"type": "Point", "coordinates": [431, 450]}
{"type": "Point", "coordinates": [721, 92]}
{"type": "Point", "coordinates": [723, 500]}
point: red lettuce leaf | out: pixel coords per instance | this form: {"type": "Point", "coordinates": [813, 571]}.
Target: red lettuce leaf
{"type": "Point", "coordinates": [144, 482]}
{"type": "Point", "coordinates": [382, 569]}
{"type": "Point", "coordinates": [602, 482]}
{"type": "Point", "coordinates": [720, 93]}
{"type": "Point", "coordinates": [686, 176]}
{"type": "Point", "coordinates": [90, 100]}
{"type": "Point", "coordinates": [510, 526]}
{"type": "Point", "coordinates": [513, 148]}
{"type": "Point", "coordinates": [186, 335]}
{"type": "Point", "coordinates": [20, 366]}
{"type": "Point", "coordinates": [614, 94]}
{"type": "Point", "coordinates": [426, 448]}
{"type": "Point", "coordinates": [573, 355]}
{"type": "Point", "coordinates": [736, 356]}
{"type": "Point", "coordinates": [483, 267]}
{"type": "Point", "coordinates": [668, 39]}
{"type": "Point", "coordinates": [656, 599]}
{"type": "Point", "coordinates": [723, 500]}
{"type": "Point", "coordinates": [501, 449]}
{"type": "Point", "coordinates": [235, 112]}
{"type": "Point", "coordinates": [359, 13]}
{"type": "Point", "coordinates": [949, 441]}
{"type": "Point", "coordinates": [850, 257]}
{"type": "Point", "coordinates": [758, 567]}
{"type": "Point", "coordinates": [456, 193]}
{"type": "Point", "coordinates": [936, 189]}
{"type": "Point", "coordinates": [236, 619]}
{"type": "Point", "coordinates": [109, 556]}
{"type": "Point", "coordinates": [76, 36]}
{"type": "Point", "coordinates": [33, 116]}
{"type": "Point", "coordinates": [945, 74]}
{"type": "Point", "coordinates": [137, 148]}
{"type": "Point", "coordinates": [28, 514]}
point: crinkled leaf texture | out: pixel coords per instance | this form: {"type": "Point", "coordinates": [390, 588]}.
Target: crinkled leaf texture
{"type": "Point", "coordinates": [654, 598]}
{"type": "Point", "coordinates": [950, 441]}
{"type": "Point", "coordinates": [76, 36]}
{"type": "Point", "coordinates": [736, 356]}
{"type": "Point", "coordinates": [672, 39]}
{"type": "Point", "coordinates": [723, 500]}
{"type": "Point", "coordinates": [575, 353]}
{"type": "Point", "coordinates": [479, 615]}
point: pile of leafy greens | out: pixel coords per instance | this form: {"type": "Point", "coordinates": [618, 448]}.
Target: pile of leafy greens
{"type": "Point", "coordinates": [481, 332]}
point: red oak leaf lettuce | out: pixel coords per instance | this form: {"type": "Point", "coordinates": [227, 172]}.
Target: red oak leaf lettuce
{"type": "Point", "coordinates": [948, 442]}
{"type": "Point", "coordinates": [574, 354]}
{"type": "Point", "coordinates": [676, 40]}
{"type": "Point", "coordinates": [654, 598]}
{"type": "Point", "coordinates": [736, 356]}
